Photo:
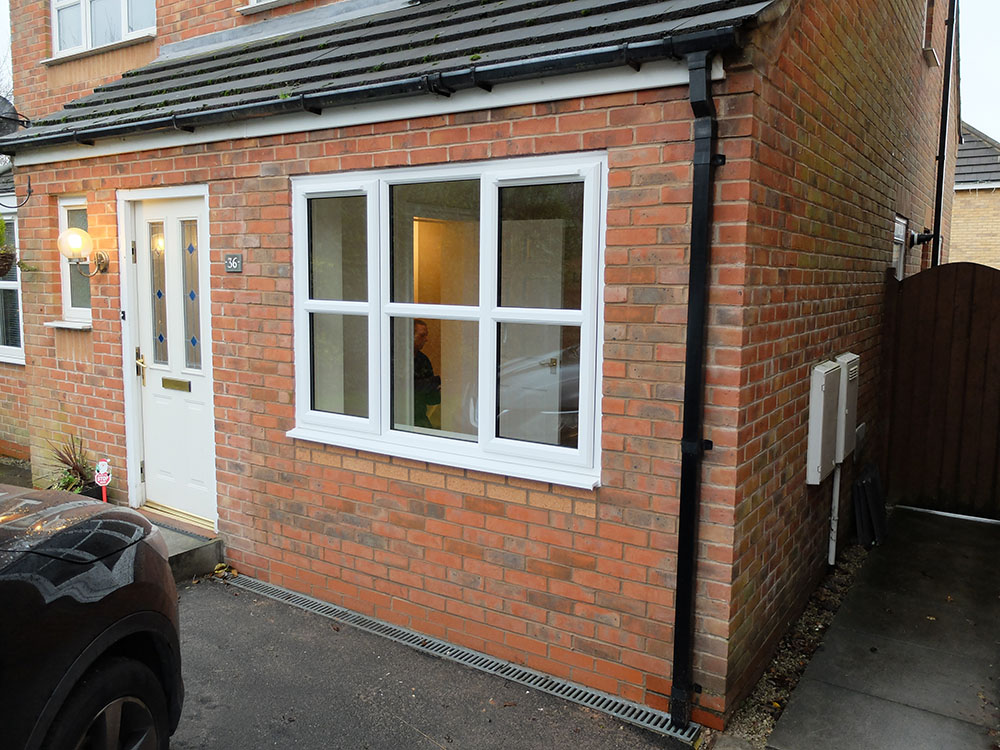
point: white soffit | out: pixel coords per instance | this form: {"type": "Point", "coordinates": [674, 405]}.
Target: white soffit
{"type": "Point", "coordinates": [593, 83]}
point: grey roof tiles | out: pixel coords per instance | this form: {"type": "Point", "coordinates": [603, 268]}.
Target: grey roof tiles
{"type": "Point", "coordinates": [433, 45]}
{"type": "Point", "coordinates": [978, 158]}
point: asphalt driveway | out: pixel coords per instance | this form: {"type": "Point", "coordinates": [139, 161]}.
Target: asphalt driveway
{"type": "Point", "coordinates": [262, 674]}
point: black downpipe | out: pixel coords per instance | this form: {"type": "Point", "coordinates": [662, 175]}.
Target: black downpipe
{"type": "Point", "coordinates": [942, 156]}
{"type": "Point", "coordinates": [692, 443]}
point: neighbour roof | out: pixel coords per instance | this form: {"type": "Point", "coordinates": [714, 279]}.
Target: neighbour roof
{"type": "Point", "coordinates": [437, 46]}
{"type": "Point", "coordinates": [978, 158]}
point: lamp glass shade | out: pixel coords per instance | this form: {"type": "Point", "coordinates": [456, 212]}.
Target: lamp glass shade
{"type": "Point", "coordinates": [75, 244]}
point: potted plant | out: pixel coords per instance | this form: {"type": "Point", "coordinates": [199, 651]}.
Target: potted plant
{"type": "Point", "coordinates": [72, 469]}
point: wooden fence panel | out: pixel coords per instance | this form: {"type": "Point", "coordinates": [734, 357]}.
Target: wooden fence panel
{"type": "Point", "coordinates": [942, 351]}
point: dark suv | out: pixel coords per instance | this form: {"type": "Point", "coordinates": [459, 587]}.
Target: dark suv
{"type": "Point", "coordinates": [89, 652]}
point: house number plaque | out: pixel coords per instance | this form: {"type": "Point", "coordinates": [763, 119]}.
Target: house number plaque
{"type": "Point", "coordinates": [234, 262]}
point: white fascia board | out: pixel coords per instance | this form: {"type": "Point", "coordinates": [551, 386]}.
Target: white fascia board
{"type": "Point", "coordinates": [594, 83]}
{"type": "Point", "coordinates": [977, 186]}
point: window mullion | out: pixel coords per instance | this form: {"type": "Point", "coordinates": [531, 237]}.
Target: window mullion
{"type": "Point", "coordinates": [379, 282]}
{"type": "Point", "coordinates": [488, 233]}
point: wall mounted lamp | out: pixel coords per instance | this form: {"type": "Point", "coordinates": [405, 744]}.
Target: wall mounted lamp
{"type": "Point", "coordinates": [77, 246]}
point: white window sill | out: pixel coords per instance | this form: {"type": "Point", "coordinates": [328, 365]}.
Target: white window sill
{"type": "Point", "coordinates": [64, 57]}
{"type": "Point", "coordinates": [931, 57]}
{"type": "Point", "coordinates": [72, 325]}
{"type": "Point", "coordinates": [12, 359]}
{"type": "Point", "coordinates": [507, 466]}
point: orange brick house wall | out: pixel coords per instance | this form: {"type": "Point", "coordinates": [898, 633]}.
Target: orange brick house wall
{"type": "Point", "coordinates": [844, 130]}
{"type": "Point", "coordinates": [575, 583]}
{"type": "Point", "coordinates": [975, 227]}
{"type": "Point", "coordinates": [13, 411]}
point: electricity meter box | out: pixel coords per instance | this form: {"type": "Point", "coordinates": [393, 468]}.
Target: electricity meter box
{"type": "Point", "coordinates": [847, 415]}
{"type": "Point", "coordinates": [824, 399]}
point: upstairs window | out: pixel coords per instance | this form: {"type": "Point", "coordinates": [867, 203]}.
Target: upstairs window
{"type": "Point", "coordinates": [88, 24]}
{"type": "Point", "coordinates": [451, 314]}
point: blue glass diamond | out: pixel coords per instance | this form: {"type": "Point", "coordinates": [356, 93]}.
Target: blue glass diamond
{"type": "Point", "coordinates": [194, 341]}
{"type": "Point", "coordinates": [159, 294]}
{"type": "Point", "coordinates": [190, 249]}
{"type": "Point", "coordinates": [192, 295]}
{"type": "Point", "coordinates": [160, 338]}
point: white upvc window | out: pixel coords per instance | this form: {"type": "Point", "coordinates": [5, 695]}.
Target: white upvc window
{"type": "Point", "coordinates": [900, 239]}
{"type": "Point", "coordinates": [75, 283]}
{"type": "Point", "coordinates": [11, 327]}
{"type": "Point", "coordinates": [453, 315]}
{"type": "Point", "coordinates": [80, 25]}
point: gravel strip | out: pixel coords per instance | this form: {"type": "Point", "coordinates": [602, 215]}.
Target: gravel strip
{"type": "Point", "coordinates": [755, 719]}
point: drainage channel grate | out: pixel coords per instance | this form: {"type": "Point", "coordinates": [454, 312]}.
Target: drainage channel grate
{"type": "Point", "coordinates": [627, 711]}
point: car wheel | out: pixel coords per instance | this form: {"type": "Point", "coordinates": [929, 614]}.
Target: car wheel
{"type": "Point", "coordinates": [117, 705]}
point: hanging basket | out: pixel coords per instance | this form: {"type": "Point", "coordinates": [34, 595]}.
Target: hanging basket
{"type": "Point", "coordinates": [7, 259]}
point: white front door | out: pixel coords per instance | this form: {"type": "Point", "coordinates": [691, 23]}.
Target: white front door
{"type": "Point", "coordinates": [178, 425]}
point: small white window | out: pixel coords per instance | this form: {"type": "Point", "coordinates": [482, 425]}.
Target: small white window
{"type": "Point", "coordinates": [75, 282]}
{"type": "Point", "coordinates": [11, 331]}
{"type": "Point", "coordinates": [900, 232]}
{"type": "Point", "coordinates": [452, 314]}
{"type": "Point", "coordinates": [87, 24]}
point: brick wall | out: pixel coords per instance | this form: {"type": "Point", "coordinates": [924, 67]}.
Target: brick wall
{"type": "Point", "coordinates": [844, 131]}
{"type": "Point", "coordinates": [13, 411]}
{"type": "Point", "coordinates": [576, 583]}
{"type": "Point", "coordinates": [975, 227]}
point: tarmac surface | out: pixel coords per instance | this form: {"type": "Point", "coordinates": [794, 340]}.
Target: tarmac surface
{"type": "Point", "coordinates": [259, 674]}
{"type": "Point", "coordinates": [912, 659]}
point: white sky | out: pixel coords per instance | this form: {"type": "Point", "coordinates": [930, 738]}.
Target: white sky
{"type": "Point", "coordinates": [979, 22]}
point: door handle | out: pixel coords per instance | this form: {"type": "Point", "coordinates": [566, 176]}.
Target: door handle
{"type": "Point", "coordinates": [140, 365]}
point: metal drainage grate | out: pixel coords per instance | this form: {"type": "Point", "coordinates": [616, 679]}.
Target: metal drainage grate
{"type": "Point", "coordinates": [627, 711]}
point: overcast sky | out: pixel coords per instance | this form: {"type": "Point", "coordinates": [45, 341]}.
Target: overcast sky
{"type": "Point", "coordinates": [980, 60]}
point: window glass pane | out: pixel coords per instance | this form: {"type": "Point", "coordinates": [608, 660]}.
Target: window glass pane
{"type": "Point", "coordinates": [105, 21]}
{"type": "Point", "coordinates": [79, 284]}
{"type": "Point", "coordinates": [538, 383]}
{"type": "Point", "coordinates": [192, 292]}
{"type": "Point", "coordinates": [338, 248]}
{"type": "Point", "coordinates": [435, 370]}
{"type": "Point", "coordinates": [158, 291]}
{"type": "Point", "coordinates": [141, 14]}
{"type": "Point", "coordinates": [541, 246]}
{"type": "Point", "coordinates": [11, 275]}
{"type": "Point", "coordinates": [10, 318]}
{"type": "Point", "coordinates": [68, 20]}
{"type": "Point", "coordinates": [339, 366]}
{"type": "Point", "coordinates": [435, 243]}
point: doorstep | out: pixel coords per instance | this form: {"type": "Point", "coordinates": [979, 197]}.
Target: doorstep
{"type": "Point", "coordinates": [193, 552]}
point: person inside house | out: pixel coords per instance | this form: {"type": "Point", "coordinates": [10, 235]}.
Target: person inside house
{"type": "Point", "coordinates": [426, 385]}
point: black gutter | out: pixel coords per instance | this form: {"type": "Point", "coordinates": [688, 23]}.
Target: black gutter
{"type": "Point", "coordinates": [693, 443]}
{"type": "Point", "coordinates": [942, 156]}
{"type": "Point", "coordinates": [440, 83]}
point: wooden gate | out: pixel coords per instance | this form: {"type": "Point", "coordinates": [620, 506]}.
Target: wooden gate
{"type": "Point", "coordinates": [942, 384]}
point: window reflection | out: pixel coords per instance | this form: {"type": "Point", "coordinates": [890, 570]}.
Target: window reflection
{"type": "Point", "coordinates": [435, 366]}
{"type": "Point", "coordinates": [435, 243]}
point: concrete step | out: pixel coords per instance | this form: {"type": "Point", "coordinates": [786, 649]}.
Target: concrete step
{"type": "Point", "coordinates": [191, 554]}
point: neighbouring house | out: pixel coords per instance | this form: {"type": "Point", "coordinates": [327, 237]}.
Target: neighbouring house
{"type": "Point", "coordinates": [975, 222]}
{"type": "Point", "coordinates": [493, 320]}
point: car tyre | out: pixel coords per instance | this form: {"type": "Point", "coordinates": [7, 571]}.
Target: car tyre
{"type": "Point", "coordinates": [118, 705]}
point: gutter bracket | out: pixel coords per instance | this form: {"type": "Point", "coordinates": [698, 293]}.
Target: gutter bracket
{"type": "Point", "coordinates": [184, 128]}
{"type": "Point", "coordinates": [484, 85]}
{"type": "Point", "coordinates": [309, 108]}
{"type": "Point", "coordinates": [436, 85]}
{"type": "Point", "coordinates": [630, 58]}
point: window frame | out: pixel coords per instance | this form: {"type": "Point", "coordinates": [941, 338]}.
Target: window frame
{"type": "Point", "coordinates": [86, 43]}
{"type": "Point", "coordinates": [81, 316]}
{"type": "Point", "coordinates": [900, 240]}
{"type": "Point", "coordinates": [578, 467]}
{"type": "Point", "coordinates": [13, 354]}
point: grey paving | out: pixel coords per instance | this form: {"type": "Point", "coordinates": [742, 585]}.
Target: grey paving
{"type": "Point", "coordinates": [259, 674]}
{"type": "Point", "coordinates": [911, 659]}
